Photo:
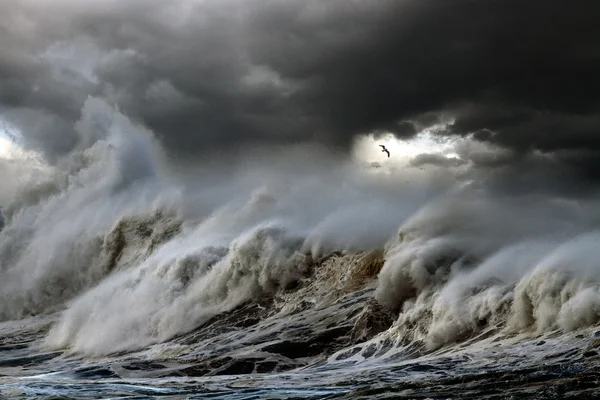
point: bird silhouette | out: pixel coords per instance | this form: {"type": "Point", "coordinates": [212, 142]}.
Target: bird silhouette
{"type": "Point", "coordinates": [383, 149]}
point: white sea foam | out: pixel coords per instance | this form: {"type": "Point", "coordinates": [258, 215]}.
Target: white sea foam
{"type": "Point", "coordinates": [137, 249]}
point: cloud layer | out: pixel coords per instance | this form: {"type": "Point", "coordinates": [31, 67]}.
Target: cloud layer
{"type": "Point", "coordinates": [205, 75]}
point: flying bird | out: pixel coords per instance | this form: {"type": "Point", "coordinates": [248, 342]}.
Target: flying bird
{"type": "Point", "coordinates": [383, 149]}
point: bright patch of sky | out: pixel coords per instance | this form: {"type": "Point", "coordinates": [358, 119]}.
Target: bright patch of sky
{"type": "Point", "coordinates": [367, 149]}
{"type": "Point", "coordinates": [9, 142]}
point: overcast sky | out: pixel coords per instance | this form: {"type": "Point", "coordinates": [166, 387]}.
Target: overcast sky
{"type": "Point", "coordinates": [208, 74]}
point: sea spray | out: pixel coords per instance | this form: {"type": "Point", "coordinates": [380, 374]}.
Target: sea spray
{"type": "Point", "coordinates": [137, 250]}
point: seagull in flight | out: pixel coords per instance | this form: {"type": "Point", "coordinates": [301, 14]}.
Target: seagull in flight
{"type": "Point", "coordinates": [384, 150]}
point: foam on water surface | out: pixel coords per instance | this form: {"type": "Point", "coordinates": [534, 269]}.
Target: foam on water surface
{"type": "Point", "coordinates": [123, 276]}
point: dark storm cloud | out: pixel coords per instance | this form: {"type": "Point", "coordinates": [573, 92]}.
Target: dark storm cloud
{"type": "Point", "coordinates": [203, 74]}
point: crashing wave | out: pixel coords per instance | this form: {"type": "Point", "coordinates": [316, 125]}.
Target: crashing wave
{"type": "Point", "coordinates": [135, 253]}
{"type": "Point", "coordinates": [446, 292]}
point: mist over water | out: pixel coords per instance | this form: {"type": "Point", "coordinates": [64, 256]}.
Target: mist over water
{"type": "Point", "coordinates": [125, 248]}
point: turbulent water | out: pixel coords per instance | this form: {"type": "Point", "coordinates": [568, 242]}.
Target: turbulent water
{"type": "Point", "coordinates": [290, 274]}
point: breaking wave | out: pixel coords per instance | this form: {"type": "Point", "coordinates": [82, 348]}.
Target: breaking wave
{"type": "Point", "coordinates": [131, 250]}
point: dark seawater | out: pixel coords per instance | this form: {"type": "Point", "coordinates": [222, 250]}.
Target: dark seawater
{"type": "Point", "coordinates": [314, 352]}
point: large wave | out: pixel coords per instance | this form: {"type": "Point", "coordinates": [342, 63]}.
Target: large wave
{"type": "Point", "coordinates": [134, 249]}
{"type": "Point", "coordinates": [520, 265]}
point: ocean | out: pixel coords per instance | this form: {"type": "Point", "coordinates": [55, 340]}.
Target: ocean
{"type": "Point", "coordinates": [289, 274]}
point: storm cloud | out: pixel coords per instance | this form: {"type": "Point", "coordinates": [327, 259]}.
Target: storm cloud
{"type": "Point", "coordinates": [205, 75]}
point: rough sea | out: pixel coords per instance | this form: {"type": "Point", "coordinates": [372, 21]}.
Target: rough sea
{"type": "Point", "coordinates": [295, 274]}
